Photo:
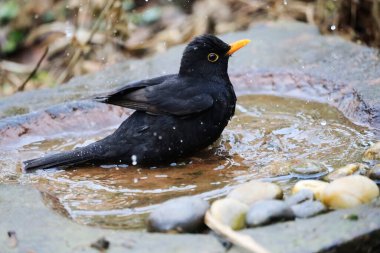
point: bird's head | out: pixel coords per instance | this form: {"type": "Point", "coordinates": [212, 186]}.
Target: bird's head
{"type": "Point", "coordinates": [207, 56]}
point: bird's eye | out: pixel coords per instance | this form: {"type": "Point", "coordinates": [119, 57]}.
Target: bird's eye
{"type": "Point", "coordinates": [212, 57]}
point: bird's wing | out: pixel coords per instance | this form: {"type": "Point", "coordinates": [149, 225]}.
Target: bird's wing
{"type": "Point", "coordinates": [162, 95]}
{"type": "Point", "coordinates": [128, 88]}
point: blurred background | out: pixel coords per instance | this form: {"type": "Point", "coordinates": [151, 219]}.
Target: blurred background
{"type": "Point", "coordinates": [46, 42]}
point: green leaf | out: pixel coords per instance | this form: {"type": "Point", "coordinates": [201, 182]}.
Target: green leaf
{"type": "Point", "coordinates": [13, 40]}
{"type": "Point", "coordinates": [8, 11]}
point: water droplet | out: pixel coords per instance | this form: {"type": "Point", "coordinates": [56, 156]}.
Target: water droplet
{"type": "Point", "coordinates": [154, 134]}
{"type": "Point", "coordinates": [201, 122]}
{"type": "Point", "coordinates": [332, 27]}
{"type": "Point", "coordinates": [69, 31]}
{"type": "Point", "coordinates": [160, 137]}
{"type": "Point", "coordinates": [134, 159]}
{"type": "Point", "coordinates": [169, 149]}
{"type": "Point", "coordinates": [181, 140]}
{"type": "Point", "coordinates": [174, 127]}
{"type": "Point", "coordinates": [323, 123]}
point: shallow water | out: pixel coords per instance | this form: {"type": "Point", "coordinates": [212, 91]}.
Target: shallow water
{"type": "Point", "coordinates": [265, 132]}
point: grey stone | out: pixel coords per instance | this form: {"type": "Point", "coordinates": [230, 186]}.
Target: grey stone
{"type": "Point", "coordinates": [183, 214]}
{"type": "Point", "coordinates": [308, 169]}
{"type": "Point", "coordinates": [308, 209]}
{"type": "Point", "coordinates": [299, 197]}
{"type": "Point", "coordinates": [265, 211]}
{"type": "Point", "coordinates": [38, 229]}
{"type": "Point", "coordinates": [374, 173]}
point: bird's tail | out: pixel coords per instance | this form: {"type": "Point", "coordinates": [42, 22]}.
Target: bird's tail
{"type": "Point", "coordinates": [68, 158]}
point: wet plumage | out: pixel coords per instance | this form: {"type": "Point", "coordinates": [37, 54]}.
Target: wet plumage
{"type": "Point", "coordinates": [175, 115]}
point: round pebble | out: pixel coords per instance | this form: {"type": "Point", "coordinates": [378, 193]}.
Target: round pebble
{"type": "Point", "coordinates": [316, 186]}
{"type": "Point", "coordinates": [278, 168]}
{"type": "Point", "coordinates": [306, 168]}
{"type": "Point", "coordinates": [183, 214]}
{"type": "Point", "coordinates": [299, 197]}
{"type": "Point", "coordinates": [253, 191]}
{"type": "Point", "coordinates": [350, 191]}
{"type": "Point", "coordinates": [347, 170]}
{"type": "Point", "coordinates": [308, 209]}
{"type": "Point", "coordinates": [230, 212]}
{"type": "Point", "coordinates": [265, 211]}
{"type": "Point", "coordinates": [374, 173]}
{"type": "Point", "coordinates": [373, 153]}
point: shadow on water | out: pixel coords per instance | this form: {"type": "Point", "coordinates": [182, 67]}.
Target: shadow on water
{"type": "Point", "coordinates": [267, 131]}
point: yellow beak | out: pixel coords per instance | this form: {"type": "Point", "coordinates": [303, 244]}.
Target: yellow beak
{"type": "Point", "coordinates": [237, 45]}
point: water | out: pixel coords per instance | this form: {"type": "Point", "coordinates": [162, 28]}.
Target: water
{"type": "Point", "coordinates": [265, 132]}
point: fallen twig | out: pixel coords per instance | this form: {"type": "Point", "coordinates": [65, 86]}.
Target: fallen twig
{"type": "Point", "coordinates": [22, 86]}
{"type": "Point", "coordinates": [242, 240]}
{"type": "Point", "coordinates": [78, 52]}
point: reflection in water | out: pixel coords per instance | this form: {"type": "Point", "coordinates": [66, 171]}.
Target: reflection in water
{"type": "Point", "coordinates": [266, 131]}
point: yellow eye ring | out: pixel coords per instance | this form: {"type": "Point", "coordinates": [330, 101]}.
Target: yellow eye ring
{"type": "Point", "coordinates": [212, 57]}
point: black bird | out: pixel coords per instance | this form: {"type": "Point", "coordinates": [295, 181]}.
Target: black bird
{"type": "Point", "coordinates": [175, 115]}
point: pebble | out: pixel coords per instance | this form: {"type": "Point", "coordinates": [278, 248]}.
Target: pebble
{"type": "Point", "coordinates": [308, 209]}
{"type": "Point", "coordinates": [347, 170]}
{"type": "Point", "coordinates": [299, 197]}
{"type": "Point", "coordinates": [373, 153]}
{"type": "Point", "coordinates": [307, 168]}
{"type": "Point", "coordinates": [374, 172]}
{"type": "Point", "coordinates": [350, 191]}
{"type": "Point", "coordinates": [101, 244]}
{"type": "Point", "coordinates": [278, 168]}
{"type": "Point", "coordinates": [230, 212]}
{"type": "Point", "coordinates": [183, 214]}
{"type": "Point", "coordinates": [253, 191]}
{"type": "Point", "coordinates": [316, 186]}
{"type": "Point", "coordinates": [265, 211]}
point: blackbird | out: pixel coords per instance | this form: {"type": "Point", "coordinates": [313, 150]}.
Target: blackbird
{"type": "Point", "coordinates": [175, 115]}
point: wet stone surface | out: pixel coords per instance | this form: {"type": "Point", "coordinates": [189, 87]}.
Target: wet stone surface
{"type": "Point", "coordinates": [38, 229]}
{"type": "Point", "coordinates": [266, 129]}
